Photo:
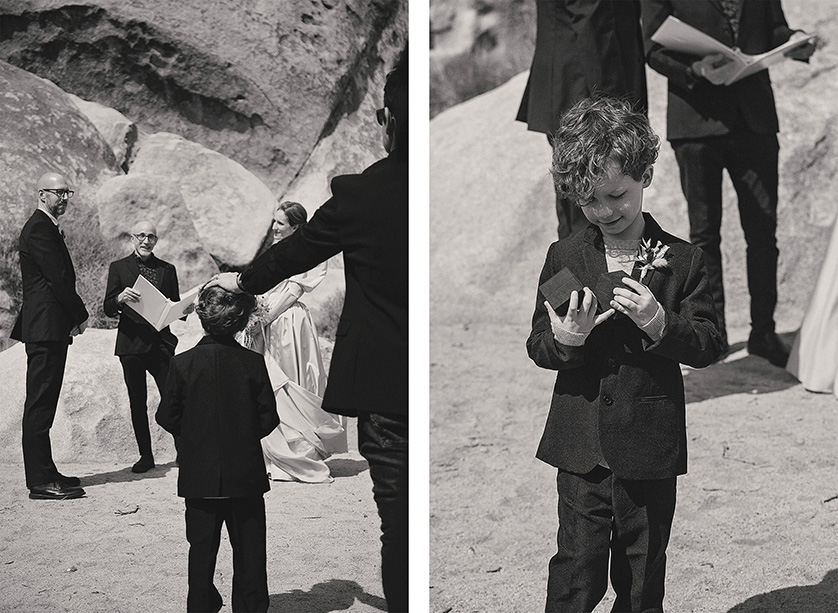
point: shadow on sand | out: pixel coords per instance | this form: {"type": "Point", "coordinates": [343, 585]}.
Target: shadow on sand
{"type": "Point", "coordinates": [738, 374]}
{"type": "Point", "coordinates": [333, 595]}
{"type": "Point", "coordinates": [820, 598]}
{"type": "Point", "coordinates": [346, 467]}
{"type": "Point", "coordinates": [124, 475]}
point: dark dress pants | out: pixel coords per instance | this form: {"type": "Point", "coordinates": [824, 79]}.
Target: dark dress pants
{"type": "Point", "coordinates": [245, 519]}
{"type": "Point", "coordinates": [601, 514]}
{"type": "Point", "coordinates": [751, 162]}
{"type": "Point", "coordinates": [134, 368]}
{"type": "Point", "coordinates": [45, 363]}
{"type": "Point", "coordinates": [382, 440]}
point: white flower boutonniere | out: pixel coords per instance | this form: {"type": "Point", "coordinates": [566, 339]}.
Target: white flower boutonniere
{"type": "Point", "coordinates": [651, 258]}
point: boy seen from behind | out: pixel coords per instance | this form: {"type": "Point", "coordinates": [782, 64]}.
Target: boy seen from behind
{"type": "Point", "coordinates": [616, 429]}
{"type": "Point", "coordinates": [218, 399]}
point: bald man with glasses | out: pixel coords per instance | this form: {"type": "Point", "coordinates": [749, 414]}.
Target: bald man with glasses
{"type": "Point", "coordinates": [50, 315]}
{"type": "Point", "coordinates": [140, 347]}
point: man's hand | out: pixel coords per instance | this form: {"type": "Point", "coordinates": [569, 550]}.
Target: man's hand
{"type": "Point", "coordinates": [79, 329]}
{"type": "Point", "coordinates": [715, 67]}
{"type": "Point", "coordinates": [804, 52]}
{"type": "Point", "coordinates": [579, 319]}
{"type": "Point", "coordinates": [640, 305]}
{"type": "Point", "coordinates": [226, 280]}
{"type": "Point", "coordinates": [129, 294]}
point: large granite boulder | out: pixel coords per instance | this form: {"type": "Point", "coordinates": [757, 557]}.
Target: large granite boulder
{"type": "Point", "coordinates": [118, 131]}
{"type": "Point", "coordinates": [123, 201]}
{"type": "Point", "coordinates": [231, 208]}
{"type": "Point", "coordinates": [43, 130]}
{"type": "Point", "coordinates": [262, 84]}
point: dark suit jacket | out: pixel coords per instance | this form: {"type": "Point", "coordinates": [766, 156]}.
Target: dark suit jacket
{"type": "Point", "coordinates": [582, 46]}
{"type": "Point", "coordinates": [366, 219]}
{"type": "Point", "coordinates": [219, 400]}
{"type": "Point", "coordinates": [134, 334]}
{"type": "Point", "coordinates": [696, 108]}
{"type": "Point", "coordinates": [51, 307]}
{"type": "Point", "coordinates": [621, 392]}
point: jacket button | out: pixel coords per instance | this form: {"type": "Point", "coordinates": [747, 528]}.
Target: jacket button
{"type": "Point", "coordinates": [607, 401]}
{"type": "Point", "coordinates": [612, 363]}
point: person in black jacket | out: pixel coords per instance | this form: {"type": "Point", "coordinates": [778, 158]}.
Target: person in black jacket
{"type": "Point", "coordinates": [52, 313]}
{"type": "Point", "coordinates": [714, 127]}
{"type": "Point", "coordinates": [366, 220]}
{"type": "Point", "coordinates": [218, 399]}
{"type": "Point", "coordinates": [616, 428]}
{"type": "Point", "coordinates": [582, 47]}
{"type": "Point", "coordinates": [140, 347]}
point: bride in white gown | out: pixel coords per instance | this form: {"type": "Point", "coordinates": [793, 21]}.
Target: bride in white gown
{"type": "Point", "coordinates": [814, 355]}
{"type": "Point", "coordinates": [283, 331]}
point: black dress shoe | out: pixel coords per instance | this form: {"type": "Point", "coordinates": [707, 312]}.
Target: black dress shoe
{"type": "Point", "coordinates": [71, 481]}
{"type": "Point", "coordinates": [55, 491]}
{"type": "Point", "coordinates": [770, 347]}
{"type": "Point", "coordinates": [144, 464]}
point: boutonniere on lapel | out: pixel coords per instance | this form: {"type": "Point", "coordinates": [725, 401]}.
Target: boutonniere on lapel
{"type": "Point", "coordinates": [651, 258]}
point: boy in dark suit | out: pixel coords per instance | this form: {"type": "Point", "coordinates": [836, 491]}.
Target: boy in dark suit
{"type": "Point", "coordinates": [218, 399]}
{"type": "Point", "coordinates": [616, 427]}
{"type": "Point", "coordinates": [140, 347]}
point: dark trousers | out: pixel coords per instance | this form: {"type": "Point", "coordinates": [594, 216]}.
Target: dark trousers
{"type": "Point", "coordinates": [44, 375]}
{"type": "Point", "coordinates": [245, 519]}
{"type": "Point", "coordinates": [571, 218]}
{"type": "Point", "coordinates": [134, 368]}
{"type": "Point", "coordinates": [382, 440]}
{"type": "Point", "coordinates": [601, 514]}
{"type": "Point", "coordinates": [751, 162]}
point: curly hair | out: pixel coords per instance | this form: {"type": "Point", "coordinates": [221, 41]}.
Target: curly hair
{"type": "Point", "coordinates": [594, 133]}
{"type": "Point", "coordinates": [224, 313]}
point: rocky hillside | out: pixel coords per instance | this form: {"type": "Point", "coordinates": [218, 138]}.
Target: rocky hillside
{"type": "Point", "coordinates": [198, 115]}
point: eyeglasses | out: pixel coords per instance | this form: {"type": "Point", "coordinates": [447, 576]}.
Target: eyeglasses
{"type": "Point", "coordinates": [61, 193]}
{"type": "Point", "coordinates": [380, 117]}
{"type": "Point", "coordinates": [152, 238]}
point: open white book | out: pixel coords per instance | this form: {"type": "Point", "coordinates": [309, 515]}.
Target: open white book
{"type": "Point", "coordinates": [676, 35]}
{"type": "Point", "coordinates": [155, 308]}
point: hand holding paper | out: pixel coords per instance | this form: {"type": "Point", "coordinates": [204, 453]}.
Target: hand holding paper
{"type": "Point", "coordinates": [155, 308]}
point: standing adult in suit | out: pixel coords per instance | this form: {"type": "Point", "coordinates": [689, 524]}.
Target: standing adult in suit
{"type": "Point", "coordinates": [366, 219]}
{"type": "Point", "coordinates": [140, 347]}
{"type": "Point", "coordinates": [50, 315]}
{"type": "Point", "coordinates": [582, 47]}
{"type": "Point", "coordinates": [713, 127]}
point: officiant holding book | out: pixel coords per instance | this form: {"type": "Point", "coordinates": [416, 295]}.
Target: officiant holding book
{"type": "Point", "coordinates": [714, 127]}
{"type": "Point", "coordinates": [140, 347]}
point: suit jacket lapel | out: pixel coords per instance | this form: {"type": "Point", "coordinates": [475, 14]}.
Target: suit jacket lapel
{"type": "Point", "coordinates": [593, 256]}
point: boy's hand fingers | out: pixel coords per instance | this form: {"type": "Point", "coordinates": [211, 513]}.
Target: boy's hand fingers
{"type": "Point", "coordinates": [635, 285]}
{"type": "Point", "coordinates": [601, 318]}
{"type": "Point", "coordinates": [550, 311]}
{"type": "Point", "coordinates": [590, 300]}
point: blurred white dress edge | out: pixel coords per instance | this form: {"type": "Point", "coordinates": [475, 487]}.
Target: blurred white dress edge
{"type": "Point", "coordinates": [814, 355]}
{"type": "Point", "coordinates": [297, 449]}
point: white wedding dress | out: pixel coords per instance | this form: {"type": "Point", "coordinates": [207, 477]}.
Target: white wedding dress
{"type": "Point", "coordinates": [297, 449]}
{"type": "Point", "coordinates": [814, 355]}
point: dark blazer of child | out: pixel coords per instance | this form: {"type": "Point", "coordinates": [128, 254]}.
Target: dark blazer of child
{"type": "Point", "coordinates": [620, 392]}
{"type": "Point", "coordinates": [219, 399]}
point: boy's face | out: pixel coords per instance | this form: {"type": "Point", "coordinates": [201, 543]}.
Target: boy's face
{"type": "Point", "coordinates": [617, 204]}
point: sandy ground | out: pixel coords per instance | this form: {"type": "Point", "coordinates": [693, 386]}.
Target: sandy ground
{"type": "Point", "coordinates": [755, 526]}
{"type": "Point", "coordinates": [123, 548]}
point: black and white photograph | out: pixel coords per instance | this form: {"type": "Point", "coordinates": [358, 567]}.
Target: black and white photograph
{"type": "Point", "coordinates": [633, 306]}
{"type": "Point", "coordinates": [204, 306]}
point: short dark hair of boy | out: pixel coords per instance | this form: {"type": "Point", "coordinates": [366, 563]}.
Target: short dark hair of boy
{"type": "Point", "coordinates": [224, 313]}
{"type": "Point", "coordinates": [295, 212]}
{"type": "Point", "coordinates": [592, 135]}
